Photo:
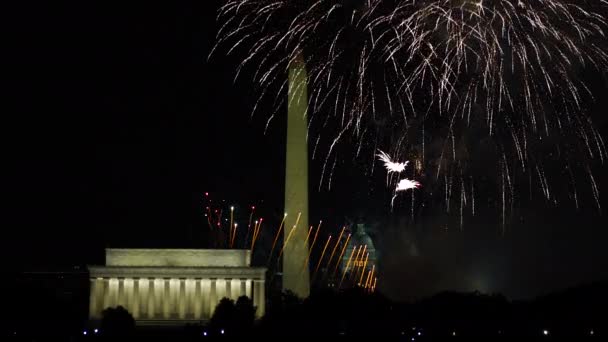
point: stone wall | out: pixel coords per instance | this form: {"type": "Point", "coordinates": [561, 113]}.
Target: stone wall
{"type": "Point", "coordinates": [178, 257]}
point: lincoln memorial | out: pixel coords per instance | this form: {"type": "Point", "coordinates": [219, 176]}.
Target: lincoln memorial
{"type": "Point", "coordinates": [160, 286]}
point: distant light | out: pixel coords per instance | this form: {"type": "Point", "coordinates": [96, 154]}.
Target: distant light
{"type": "Point", "coordinates": [222, 332]}
{"type": "Point", "coordinates": [204, 333]}
{"type": "Point", "coordinates": [453, 333]}
{"type": "Point", "coordinates": [253, 207]}
{"type": "Point", "coordinates": [84, 332]}
{"type": "Point", "coordinates": [419, 333]}
{"type": "Point", "coordinates": [545, 332]}
{"type": "Point", "coordinates": [96, 331]}
{"type": "Point", "coordinates": [413, 339]}
{"type": "Point", "coordinates": [403, 333]}
{"type": "Point", "coordinates": [231, 208]}
{"type": "Point", "coordinates": [206, 194]}
{"type": "Point", "coordinates": [591, 332]}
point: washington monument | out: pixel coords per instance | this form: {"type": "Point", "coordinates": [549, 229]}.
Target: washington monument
{"type": "Point", "coordinates": [295, 273]}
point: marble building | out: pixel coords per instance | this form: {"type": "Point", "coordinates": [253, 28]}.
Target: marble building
{"type": "Point", "coordinates": [160, 286]}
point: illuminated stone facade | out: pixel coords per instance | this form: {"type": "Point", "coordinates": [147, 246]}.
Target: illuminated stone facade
{"type": "Point", "coordinates": [173, 285]}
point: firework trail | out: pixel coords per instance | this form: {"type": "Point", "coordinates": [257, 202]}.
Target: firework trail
{"type": "Point", "coordinates": [363, 269]}
{"type": "Point", "coordinates": [333, 251]}
{"type": "Point", "coordinates": [432, 70]}
{"type": "Point", "coordinates": [288, 237]}
{"type": "Point", "coordinates": [341, 255]}
{"type": "Point", "coordinates": [230, 236]}
{"type": "Point", "coordinates": [249, 224]}
{"type": "Point", "coordinates": [233, 236]}
{"type": "Point", "coordinates": [308, 236]}
{"type": "Point", "coordinates": [314, 274]}
{"type": "Point", "coordinates": [312, 245]}
{"type": "Point", "coordinates": [370, 276]}
{"type": "Point", "coordinates": [348, 265]}
{"type": "Point", "coordinates": [276, 237]}
{"type": "Point", "coordinates": [359, 259]}
{"type": "Point", "coordinates": [256, 232]}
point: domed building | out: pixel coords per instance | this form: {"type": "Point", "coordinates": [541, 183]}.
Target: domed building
{"type": "Point", "coordinates": [359, 261]}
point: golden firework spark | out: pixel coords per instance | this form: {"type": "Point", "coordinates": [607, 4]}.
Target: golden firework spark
{"type": "Point", "coordinates": [341, 255]}
{"type": "Point", "coordinates": [314, 274]}
{"type": "Point", "coordinates": [276, 237]}
{"type": "Point", "coordinates": [331, 256]}
{"type": "Point", "coordinates": [289, 236]}
{"type": "Point", "coordinates": [347, 265]}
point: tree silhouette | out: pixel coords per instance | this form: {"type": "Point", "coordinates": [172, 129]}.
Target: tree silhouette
{"type": "Point", "coordinates": [223, 316]}
{"type": "Point", "coordinates": [117, 322]}
{"type": "Point", "coordinates": [244, 315]}
{"type": "Point", "coordinates": [233, 319]}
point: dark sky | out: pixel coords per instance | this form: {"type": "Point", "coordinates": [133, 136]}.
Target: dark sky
{"type": "Point", "coordinates": [115, 125]}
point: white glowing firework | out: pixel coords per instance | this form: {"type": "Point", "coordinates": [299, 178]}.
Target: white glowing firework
{"type": "Point", "coordinates": [390, 165]}
{"type": "Point", "coordinates": [403, 185]}
{"type": "Point", "coordinates": [407, 184]}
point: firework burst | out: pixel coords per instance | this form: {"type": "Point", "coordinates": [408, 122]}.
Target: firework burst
{"type": "Point", "coordinates": [426, 76]}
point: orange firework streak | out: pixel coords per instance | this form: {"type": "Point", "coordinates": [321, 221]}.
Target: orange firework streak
{"type": "Point", "coordinates": [347, 264]}
{"type": "Point", "coordinates": [255, 226]}
{"type": "Point", "coordinates": [249, 225]}
{"type": "Point", "coordinates": [256, 231]}
{"type": "Point", "coordinates": [308, 235]}
{"type": "Point", "coordinates": [367, 279]}
{"type": "Point", "coordinates": [374, 286]}
{"type": "Point", "coordinates": [233, 236]}
{"type": "Point", "coordinates": [320, 259]}
{"type": "Point", "coordinates": [358, 263]}
{"type": "Point", "coordinates": [341, 255]}
{"type": "Point", "coordinates": [364, 267]}
{"type": "Point", "coordinates": [276, 237]}
{"type": "Point", "coordinates": [250, 216]}
{"type": "Point", "coordinates": [331, 256]}
{"type": "Point", "coordinates": [370, 275]}
{"type": "Point", "coordinates": [230, 235]}
{"type": "Point", "coordinates": [314, 240]}
{"type": "Point", "coordinates": [219, 228]}
{"type": "Point", "coordinates": [289, 236]}
{"type": "Point", "coordinates": [305, 261]}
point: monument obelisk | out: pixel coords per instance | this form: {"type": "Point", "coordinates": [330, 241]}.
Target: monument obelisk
{"type": "Point", "coordinates": [295, 273]}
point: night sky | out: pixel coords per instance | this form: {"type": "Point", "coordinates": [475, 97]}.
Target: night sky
{"type": "Point", "coordinates": [115, 125]}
